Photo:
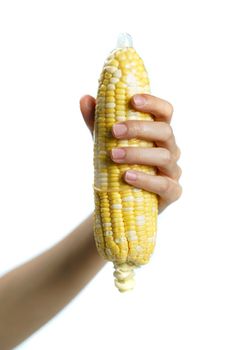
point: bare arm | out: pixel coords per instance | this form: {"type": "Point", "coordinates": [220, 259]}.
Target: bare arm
{"type": "Point", "coordinates": [31, 294]}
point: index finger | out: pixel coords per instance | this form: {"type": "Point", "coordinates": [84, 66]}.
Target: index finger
{"type": "Point", "coordinates": [161, 109]}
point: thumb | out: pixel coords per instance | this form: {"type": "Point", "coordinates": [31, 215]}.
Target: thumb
{"type": "Point", "coordinates": [87, 107]}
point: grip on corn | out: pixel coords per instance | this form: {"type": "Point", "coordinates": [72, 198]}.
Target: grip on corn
{"type": "Point", "coordinates": [125, 220]}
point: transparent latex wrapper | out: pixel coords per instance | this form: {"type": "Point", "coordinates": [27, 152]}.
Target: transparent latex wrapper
{"type": "Point", "coordinates": [109, 176]}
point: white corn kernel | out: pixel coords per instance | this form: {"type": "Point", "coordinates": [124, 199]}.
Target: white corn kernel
{"type": "Point", "coordinates": [114, 80]}
{"type": "Point", "coordinates": [132, 235]}
{"type": "Point", "coordinates": [111, 87]}
{"type": "Point", "coordinates": [117, 73]}
{"type": "Point", "coordinates": [120, 240]}
{"type": "Point", "coordinates": [116, 206]}
{"type": "Point", "coordinates": [120, 118]}
{"type": "Point", "coordinates": [128, 199]}
{"type": "Point", "coordinates": [107, 224]}
{"type": "Point", "coordinates": [110, 105]}
{"type": "Point", "coordinates": [138, 248]}
{"type": "Point", "coordinates": [139, 199]}
{"type": "Point", "coordinates": [110, 69]}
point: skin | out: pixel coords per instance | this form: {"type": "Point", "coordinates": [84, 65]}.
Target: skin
{"type": "Point", "coordinates": [31, 294]}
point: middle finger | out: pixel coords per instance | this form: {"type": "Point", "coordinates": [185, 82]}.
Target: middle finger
{"type": "Point", "coordinates": [156, 156]}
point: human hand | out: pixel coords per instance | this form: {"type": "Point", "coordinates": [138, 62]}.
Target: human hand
{"type": "Point", "coordinates": [164, 156]}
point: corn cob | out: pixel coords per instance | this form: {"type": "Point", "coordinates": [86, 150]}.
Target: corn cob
{"type": "Point", "coordinates": [125, 218]}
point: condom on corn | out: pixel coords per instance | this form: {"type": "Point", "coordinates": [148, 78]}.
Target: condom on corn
{"type": "Point", "coordinates": [125, 217]}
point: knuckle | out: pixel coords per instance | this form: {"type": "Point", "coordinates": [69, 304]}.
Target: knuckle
{"type": "Point", "coordinates": [168, 132]}
{"type": "Point", "coordinates": [179, 191]}
{"type": "Point", "coordinates": [176, 192]}
{"type": "Point", "coordinates": [180, 171]}
{"type": "Point", "coordinates": [166, 157]}
{"type": "Point", "coordinates": [177, 153]}
{"type": "Point", "coordinates": [170, 109]}
{"type": "Point", "coordinates": [164, 185]}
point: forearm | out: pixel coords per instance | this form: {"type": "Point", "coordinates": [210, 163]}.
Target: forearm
{"type": "Point", "coordinates": [33, 293]}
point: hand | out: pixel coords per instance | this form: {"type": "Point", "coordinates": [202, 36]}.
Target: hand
{"type": "Point", "coordinates": [164, 156]}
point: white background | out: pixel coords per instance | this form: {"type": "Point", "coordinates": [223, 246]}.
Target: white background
{"type": "Point", "coordinates": [51, 53]}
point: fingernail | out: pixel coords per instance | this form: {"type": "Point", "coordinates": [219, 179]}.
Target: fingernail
{"type": "Point", "coordinates": [118, 153]}
{"type": "Point", "coordinates": [139, 100]}
{"type": "Point", "coordinates": [119, 129]}
{"type": "Point", "coordinates": [130, 176]}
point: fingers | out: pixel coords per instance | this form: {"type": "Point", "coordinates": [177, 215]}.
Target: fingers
{"type": "Point", "coordinates": [87, 107]}
{"type": "Point", "coordinates": [159, 132]}
{"type": "Point", "coordinates": [162, 110]}
{"type": "Point", "coordinates": [156, 156]}
{"type": "Point", "coordinates": [164, 157]}
{"type": "Point", "coordinates": [168, 189]}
